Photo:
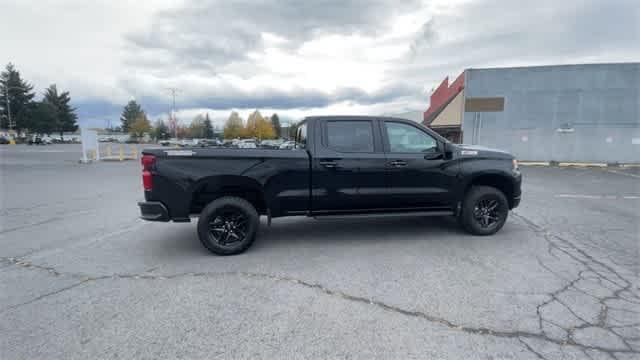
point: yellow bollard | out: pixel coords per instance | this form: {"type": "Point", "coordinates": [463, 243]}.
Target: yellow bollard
{"type": "Point", "coordinates": [109, 150]}
{"type": "Point", "coordinates": [92, 155]}
{"type": "Point", "coordinates": [121, 153]}
{"type": "Point", "coordinates": [12, 141]}
{"type": "Point", "coordinates": [135, 152]}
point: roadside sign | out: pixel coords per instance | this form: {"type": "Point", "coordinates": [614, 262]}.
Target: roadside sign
{"type": "Point", "coordinates": [89, 139]}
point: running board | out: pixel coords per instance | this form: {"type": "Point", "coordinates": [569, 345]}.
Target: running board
{"type": "Point", "coordinates": [385, 215]}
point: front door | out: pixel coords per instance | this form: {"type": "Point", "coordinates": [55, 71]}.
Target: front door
{"type": "Point", "coordinates": [349, 169]}
{"type": "Point", "coordinates": [416, 168]}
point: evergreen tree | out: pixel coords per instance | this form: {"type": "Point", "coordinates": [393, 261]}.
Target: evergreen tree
{"type": "Point", "coordinates": [19, 94]}
{"type": "Point", "coordinates": [208, 127]}
{"type": "Point", "coordinates": [161, 130]}
{"type": "Point", "coordinates": [131, 112]}
{"type": "Point", "coordinates": [293, 129]}
{"type": "Point", "coordinates": [65, 117]}
{"type": "Point", "coordinates": [275, 121]}
{"type": "Point", "coordinates": [43, 118]}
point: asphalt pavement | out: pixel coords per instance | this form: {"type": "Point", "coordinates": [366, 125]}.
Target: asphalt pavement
{"type": "Point", "coordinates": [81, 277]}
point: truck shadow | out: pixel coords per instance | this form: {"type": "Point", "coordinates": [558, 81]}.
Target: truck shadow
{"type": "Point", "coordinates": [301, 231]}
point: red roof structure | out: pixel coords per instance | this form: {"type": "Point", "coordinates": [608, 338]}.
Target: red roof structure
{"type": "Point", "coordinates": [443, 94]}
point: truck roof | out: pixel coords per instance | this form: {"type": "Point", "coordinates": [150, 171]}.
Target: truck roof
{"type": "Point", "coordinates": [353, 117]}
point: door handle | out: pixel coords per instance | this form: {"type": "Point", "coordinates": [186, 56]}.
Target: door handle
{"type": "Point", "coordinates": [398, 163]}
{"type": "Point", "coordinates": [329, 164]}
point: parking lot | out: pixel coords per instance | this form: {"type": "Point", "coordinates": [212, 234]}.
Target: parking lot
{"type": "Point", "coordinates": [82, 277]}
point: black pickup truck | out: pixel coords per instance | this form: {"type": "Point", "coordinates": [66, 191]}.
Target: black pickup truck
{"type": "Point", "coordinates": [341, 166]}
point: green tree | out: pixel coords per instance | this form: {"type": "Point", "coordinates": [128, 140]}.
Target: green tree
{"type": "Point", "coordinates": [131, 112]}
{"type": "Point", "coordinates": [208, 127]}
{"type": "Point", "coordinates": [65, 116]}
{"type": "Point", "coordinates": [196, 129]}
{"type": "Point", "coordinates": [42, 118]}
{"type": "Point", "coordinates": [275, 120]}
{"type": "Point", "coordinates": [20, 95]}
{"type": "Point", "coordinates": [140, 126]}
{"type": "Point", "coordinates": [293, 129]}
{"type": "Point", "coordinates": [160, 130]}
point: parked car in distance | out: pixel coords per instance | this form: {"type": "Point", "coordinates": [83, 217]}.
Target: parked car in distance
{"type": "Point", "coordinates": [341, 166]}
{"type": "Point", "coordinates": [247, 144]}
{"type": "Point", "coordinates": [208, 142]}
{"type": "Point", "coordinates": [287, 145]}
{"type": "Point", "coordinates": [271, 144]}
{"type": "Point", "coordinates": [39, 140]}
{"type": "Point", "coordinates": [4, 140]}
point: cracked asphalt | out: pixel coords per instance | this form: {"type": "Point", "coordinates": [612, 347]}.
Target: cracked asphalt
{"type": "Point", "coordinates": [82, 277]}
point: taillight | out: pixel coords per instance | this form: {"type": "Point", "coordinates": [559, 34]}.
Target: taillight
{"type": "Point", "coordinates": [148, 162]}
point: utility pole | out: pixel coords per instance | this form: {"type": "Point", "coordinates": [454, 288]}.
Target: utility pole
{"type": "Point", "coordinates": [173, 121]}
{"type": "Point", "coordinates": [11, 125]}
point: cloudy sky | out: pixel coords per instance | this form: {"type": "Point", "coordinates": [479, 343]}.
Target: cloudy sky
{"type": "Point", "coordinates": [294, 57]}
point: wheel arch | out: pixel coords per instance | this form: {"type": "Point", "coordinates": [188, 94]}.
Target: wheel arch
{"type": "Point", "coordinates": [211, 188]}
{"type": "Point", "coordinates": [498, 180]}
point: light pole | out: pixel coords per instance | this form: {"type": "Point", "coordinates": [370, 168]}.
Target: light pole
{"type": "Point", "coordinates": [6, 93]}
{"type": "Point", "coordinates": [173, 121]}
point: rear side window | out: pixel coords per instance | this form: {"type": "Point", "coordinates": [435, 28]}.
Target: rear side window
{"type": "Point", "coordinates": [350, 136]}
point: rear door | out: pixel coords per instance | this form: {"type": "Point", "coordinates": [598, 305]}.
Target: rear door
{"type": "Point", "coordinates": [416, 167]}
{"type": "Point", "coordinates": [349, 167]}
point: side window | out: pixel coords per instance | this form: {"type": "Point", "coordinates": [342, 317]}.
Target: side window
{"type": "Point", "coordinates": [350, 136]}
{"type": "Point", "coordinates": [405, 138]}
{"type": "Point", "coordinates": [301, 137]}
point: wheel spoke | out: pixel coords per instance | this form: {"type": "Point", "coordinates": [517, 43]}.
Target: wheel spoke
{"type": "Point", "coordinates": [228, 227]}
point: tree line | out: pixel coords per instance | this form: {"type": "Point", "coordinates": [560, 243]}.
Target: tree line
{"type": "Point", "coordinates": [135, 122]}
{"type": "Point", "coordinates": [53, 113]}
{"type": "Point", "coordinates": [20, 111]}
{"type": "Point", "coordinates": [256, 127]}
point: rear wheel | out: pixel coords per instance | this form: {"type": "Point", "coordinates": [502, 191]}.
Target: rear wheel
{"type": "Point", "coordinates": [484, 210]}
{"type": "Point", "coordinates": [228, 225]}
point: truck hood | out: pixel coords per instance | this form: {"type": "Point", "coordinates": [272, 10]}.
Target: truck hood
{"type": "Point", "coordinates": [483, 151]}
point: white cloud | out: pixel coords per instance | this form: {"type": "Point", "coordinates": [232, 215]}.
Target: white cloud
{"type": "Point", "coordinates": [293, 57]}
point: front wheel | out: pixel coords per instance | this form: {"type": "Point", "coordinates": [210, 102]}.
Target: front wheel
{"type": "Point", "coordinates": [228, 225]}
{"type": "Point", "coordinates": [484, 210]}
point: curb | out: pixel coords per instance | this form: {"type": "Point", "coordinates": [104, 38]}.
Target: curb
{"type": "Point", "coordinates": [533, 163]}
{"type": "Point", "coordinates": [117, 158]}
{"type": "Point", "coordinates": [572, 164]}
{"type": "Point", "coordinates": [576, 164]}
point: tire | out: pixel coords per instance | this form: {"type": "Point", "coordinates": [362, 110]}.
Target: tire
{"type": "Point", "coordinates": [484, 210]}
{"type": "Point", "coordinates": [228, 225]}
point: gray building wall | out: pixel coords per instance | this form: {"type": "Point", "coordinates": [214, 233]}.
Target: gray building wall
{"type": "Point", "coordinates": [582, 113]}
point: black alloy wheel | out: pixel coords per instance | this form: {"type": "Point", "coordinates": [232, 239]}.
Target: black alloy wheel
{"type": "Point", "coordinates": [484, 210]}
{"type": "Point", "coordinates": [228, 226]}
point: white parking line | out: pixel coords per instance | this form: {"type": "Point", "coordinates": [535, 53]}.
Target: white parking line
{"type": "Point", "coordinates": [623, 173]}
{"type": "Point", "coordinates": [608, 197]}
